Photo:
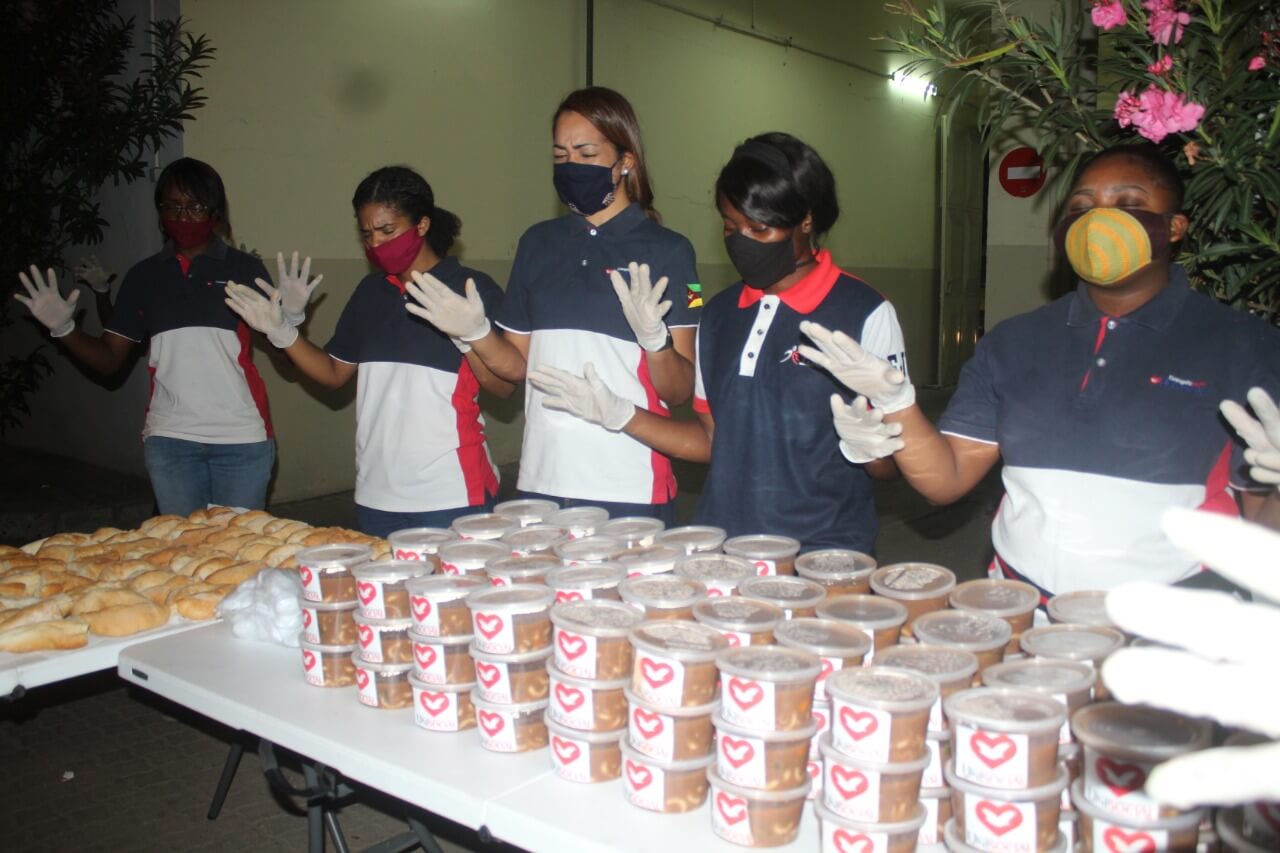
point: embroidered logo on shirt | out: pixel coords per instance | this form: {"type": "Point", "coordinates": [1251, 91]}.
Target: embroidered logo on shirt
{"type": "Point", "coordinates": [793, 355]}
{"type": "Point", "coordinates": [694, 295]}
{"type": "Point", "coordinates": [1177, 383]}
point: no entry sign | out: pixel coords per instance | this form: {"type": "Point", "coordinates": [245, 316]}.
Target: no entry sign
{"type": "Point", "coordinates": [1022, 172]}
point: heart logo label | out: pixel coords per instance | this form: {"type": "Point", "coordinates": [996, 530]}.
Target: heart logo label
{"type": "Point", "coordinates": [763, 568]}
{"type": "Point", "coordinates": [366, 635]}
{"type": "Point", "coordinates": [566, 750]}
{"type": "Point", "coordinates": [814, 769]}
{"type": "Point", "coordinates": [713, 592]}
{"type": "Point", "coordinates": [649, 724]}
{"type": "Point", "coordinates": [487, 673]}
{"type": "Point", "coordinates": [638, 775]}
{"type": "Point", "coordinates": [421, 608]}
{"type": "Point", "coordinates": [305, 573]}
{"type": "Point", "coordinates": [850, 842]}
{"type": "Point", "coordinates": [402, 554]}
{"type": "Point", "coordinates": [426, 655]}
{"type": "Point", "coordinates": [433, 703]}
{"type": "Point", "coordinates": [827, 668]}
{"type": "Point", "coordinates": [732, 809]}
{"type": "Point", "coordinates": [449, 568]}
{"type": "Point", "coordinates": [496, 581]}
{"type": "Point", "coordinates": [821, 719]}
{"type": "Point", "coordinates": [564, 595]}
{"type": "Point", "coordinates": [362, 678]}
{"type": "Point", "coordinates": [367, 592]}
{"type": "Point", "coordinates": [1121, 778]}
{"type": "Point", "coordinates": [849, 783]}
{"type": "Point", "coordinates": [1000, 818]}
{"type": "Point", "coordinates": [489, 624]}
{"type": "Point", "coordinates": [657, 674]}
{"type": "Point", "coordinates": [306, 619]}
{"type": "Point", "coordinates": [745, 693]}
{"type": "Point", "coordinates": [570, 698]}
{"type": "Point", "coordinates": [571, 644]}
{"type": "Point", "coordinates": [734, 640]}
{"type": "Point", "coordinates": [1119, 841]}
{"type": "Point", "coordinates": [858, 724]}
{"type": "Point", "coordinates": [308, 660]}
{"type": "Point", "coordinates": [736, 752]}
{"type": "Point", "coordinates": [491, 723]}
{"type": "Point", "coordinates": [992, 750]}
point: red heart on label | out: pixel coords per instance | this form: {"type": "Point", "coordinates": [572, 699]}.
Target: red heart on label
{"type": "Point", "coordinates": [401, 554]}
{"type": "Point", "coordinates": [851, 842]}
{"type": "Point", "coordinates": [571, 644]}
{"type": "Point", "coordinates": [827, 668]}
{"type": "Point", "coordinates": [858, 724]}
{"type": "Point", "coordinates": [731, 808]}
{"type": "Point", "coordinates": [1119, 841]}
{"type": "Point", "coordinates": [569, 698]}
{"type": "Point", "coordinates": [306, 619]}
{"type": "Point", "coordinates": [305, 573]}
{"type": "Point", "coordinates": [433, 703]}
{"type": "Point", "coordinates": [367, 592]}
{"type": "Point", "coordinates": [763, 568]}
{"type": "Point", "coordinates": [736, 752]}
{"type": "Point", "coordinates": [497, 581]}
{"type": "Point", "coordinates": [426, 655]}
{"type": "Point", "coordinates": [487, 673]}
{"type": "Point", "coordinates": [814, 768]}
{"type": "Point", "coordinates": [362, 678]}
{"type": "Point", "coordinates": [564, 595]}
{"type": "Point", "coordinates": [648, 723]}
{"type": "Point", "coordinates": [638, 775]}
{"type": "Point", "coordinates": [1121, 778]}
{"type": "Point", "coordinates": [448, 568]}
{"type": "Point", "coordinates": [489, 624]}
{"type": "Point", "coordinates": [566, 750]}
{"type": "Point", "coordinates": [366, 635]}
{"type": "Point", "coordinates": [992, 750]}
{"type": "Point", "coordinates": [734, 640]}
{"type": "Point", "coordinates": [657, 674]}
{"type": "Point", "coordinates": [745, 693]}
{"type": "Point", "coordinates": [308, 660]}
{"type": "Point", "coordinates": [712, 592]}
{"type": "Point", "coordinates": [998, 817]}
{"type": "Point", "coordinates": [849, 783]}
{"type": "Point", "coordinates": [421, 608]}
{"type": "Point", "coordinates": [491, 723]}
{"type": "Point", "coordinates": [821, 719]}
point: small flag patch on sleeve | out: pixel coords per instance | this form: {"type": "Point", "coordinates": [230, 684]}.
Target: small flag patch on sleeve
{"type": "Point", "coordinates": [695, 295]}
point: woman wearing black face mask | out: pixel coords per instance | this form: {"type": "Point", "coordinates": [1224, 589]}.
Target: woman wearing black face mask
{"type": "Point", "coordinates": [605, 286]}
{"type": "Point", "coordinates": [207, 437]}
{"type": "Point", "coordinates": [761, 408]}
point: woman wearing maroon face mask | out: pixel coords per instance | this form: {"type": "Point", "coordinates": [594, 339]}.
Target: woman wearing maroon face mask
{"type": "Point", "coordinates": [207, 436]}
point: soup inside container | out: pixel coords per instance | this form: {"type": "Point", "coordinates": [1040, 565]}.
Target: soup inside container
{"type": "Point", "coordinates": [438, 604]}
{"type": "Point", "coordinates": [328, 624]}
{"type": "Point", "coordinates": [880, 713]}
{"type": "Point", "coordinates": [921, 587]}
{"type": "Point", "coordinates": [954, 840]}
{"type": "Point", "coordinates": [442, 707]}
{"type": "Point", "coordinates": [419, 543]}
{"type": "Point", "coordinates": [840, 570]}
{"type": "Point", "coordinates": [587, 550]}
{"type": "Point", "coordinates": [756, 818]}
{"type": "Point", "coordinates": [769, 760]}
{"type": "Point", "coordinates": [384, 640]}
{"type": "Point", "coordinates": [992, 819]}
{"type": "Point", "coordinates": [841, 835]}
{"type": "Point", "coordinates": [651, 560]}
{"type": "Point", "coordinates": [380, 587]}
{"type": "Point", "coordinates": [511, 728]}
{"type": "Point", "coordinates": [719, 573]}
{"type": "Point", "coordinates": [1003, 737]}
{"type": "Point", "coordinates": [951, 669]}
{"type": "Point", "coordinates": [587, 704]}
{"type": "Point", "coordinates": [511, 620]}
{"type": "Point", "coordinates": [383, 685]}
{"type": "Point", "coordinates": [837, 646]}
{"type": "Point", "coordinates": [663, 596]}
{"type": "Point", "coordinates": [327, 666]}
{"type": "Point", "coordinates": [527, 511]}
{"type": "Point", "coordinates": [579, 583]}
{"type": "Point", "coordinates": [675, 662]}
{"type": "Point", "coordinates": [743, 622]}
{"type": "Point", "coordinates": [483, 526]}
{"type": "Point", "coordinates": [325, 571]}
{"type": "Point", "coordinates": [467, 557]}
{"type": "Point", "coordinates": [768, 554]}
{"type": "Point", "coordinates": [869, 791]}
{"type": "Point", "coordinates": [796, 596]}
{"type": "Point", "coordinates": [1069, 682]}
{"type": "Point", "coordinates": [767, 687]}
{"type": "Point", "coordinates": [535, 539]}
{"type": "Point", "coordinates": [1231, 829]}
{"type": "Point", "coordinates": [581, 756]}
{"type": "Point", "coordinates": [881, 619]}
{"type": "Point", "coordinates": [1013, 601]}
{"type": "Point", "coordinates": [1104, 832]}
{"type": "Point", "coordinates": [505, 571]}
{"type": "Point", "coordinates": [591, 637]}
{"type": "Point", "coordinates": [635, 531]}
{"type": "Point", "coordinates": [507, 679]}
{"type": "Point", "coordinates": [442, 660]}
{"type": "Point", "coordinates": [1084, 643]}
{"type": "Point", "coordinates": [984, 635]}
{"type": "Point", "coordinates": [1081, 607]}
{"type": "Point", "coordinates": [670, 734]}
{"type": "Point", "coordinates": [693, 539]}
{"type": "Point", "coordinates": [580, 521]}
{"type": "Point", "coordinates": [664, 786]}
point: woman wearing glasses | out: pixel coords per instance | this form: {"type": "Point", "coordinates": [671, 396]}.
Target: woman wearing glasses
{"type": "Point", "coordinates": [207, 436]}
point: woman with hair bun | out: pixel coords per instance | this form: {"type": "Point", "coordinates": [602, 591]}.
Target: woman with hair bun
{"type": "Point", "coordinates": [421, 457]}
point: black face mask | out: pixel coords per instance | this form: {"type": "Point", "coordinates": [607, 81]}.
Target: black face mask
{"type": "Point", "coordinates": [761, 265]}
{"type": "Point", "coordinates": [583, 187]}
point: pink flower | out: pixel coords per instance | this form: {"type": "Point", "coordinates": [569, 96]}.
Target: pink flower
{"type": "Point", "coordinates": [1165, 22]}
{"type": "Point", "coordinates": [1258, 63]}
{"type": "Point", "coordinates": [1161, 113]}
{"type": "Point", "coordinates": [1108, 16]}
{"type": "Point", "coordinates": [1161, 65]}
{"type": "Point", "coordinates": [1126, 106]}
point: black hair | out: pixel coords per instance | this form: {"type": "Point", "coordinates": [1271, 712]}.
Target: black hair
{"type": "Point", "coordinates": [1157, 165]}
{"type": "Point", "coordinates": [777, 180]}
{"type": "Point", "coordinates": [202, 182]}
{"type": "Point", "coordinates": [404, 190]}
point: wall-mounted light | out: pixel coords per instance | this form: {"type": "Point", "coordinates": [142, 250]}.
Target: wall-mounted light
{"type": "Point", "coordinates": [913, 85]}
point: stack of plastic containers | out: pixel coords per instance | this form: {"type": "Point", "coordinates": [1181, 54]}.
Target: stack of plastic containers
{"type": "Point", "coordinates": [534, 539]}
{"type": "Point", "coordinates": [693, 539]}
{"type": "Point", "coordinates": [527, 511]}
{"type": "Point", "coordinates": [920, 587]}
{"type": "Point", "coordinates": [634, 531]}
{"type": "Point", "coordinates": [587, 550]}
{"type": "Point", "coordinates": [443, 670]}
{"type": "Point", "coordinates": [983, 635]}
{"type": "Point", "coordinates": [1088, 644]}
{"type": "Point", "coordinates": [742, 621]}
{"type": "Point", "coordinates": [768, 554]}
{"type": "Point", "coordinates": [483, 526]}
{"type": "Point", "coordinates": [839, 570]}
{"type": "Point", "coordinates": [383, 618]}
{"type": "Point", "coordinates": [579, 521]}
{"type": "Point", "coordinates": [881, 619]}
{"type": "Point", "coordinates": [1013, 601]}
{"type": "Point", "coordinates": [419, 543]}
{"type": "Point", "coordinates": [796, 596]}
{"type": "Point", "coordinates": [578, 583]}
{"type": "Point", "coordinates": [719, 573]}
{"type": "Point", "coordinates": [653, 559]}
{"type": "Point", "coordinates": [662, 596]}
{"type": "Point", "coordinates": [530, 569]}
{"type": "Point", "coordinates": [328, 604]}
{"type": "Point", "coordinates": [468, 557]}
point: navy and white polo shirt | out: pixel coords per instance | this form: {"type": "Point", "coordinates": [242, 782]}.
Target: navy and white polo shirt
{"type": "Point", "coordinates": [1104, 422]}
{"type": "Point", "coordinates": [420, 442]}
{"type": "Point", "coordinates": [560, 294]}
{"type": "Point", "coordinates": [776, 465]}
{"type": "Point", "coordinates": [204, 386]}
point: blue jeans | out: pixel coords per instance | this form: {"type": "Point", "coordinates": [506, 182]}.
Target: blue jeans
{"type": "Point", "coordinates": [380, 522]}
{"type": "Point", "coordinates": [190, 475]}
{"type": "Point", "coordinates": [666, 513]}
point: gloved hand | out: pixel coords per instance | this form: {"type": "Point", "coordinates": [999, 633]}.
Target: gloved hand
{"type": "Point", "coordinates": [642, 305]}
{"type": "Point", "coordinates": [858, 370]}
{"type": "Point", "coordinates": [864, 436]}
{"type": "Point", "coordinates": [90, 271]}
{"type": "Point", "coordinates": [261, 314]}
{"type": "Point", "coordinates": [293, 288]}
{"type": "Point", "coordinates": [58, 315]}
{"type": "Point", "coordinates": [1262, 435]}
{"type": "Point", "coordinates": [461, 318]}
{"type": "Point", "coordinates": [585, 396]}
{"type": "Point", "coordinates": [1228, 672]}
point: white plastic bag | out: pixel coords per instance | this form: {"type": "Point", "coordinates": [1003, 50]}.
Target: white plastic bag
{"type": "Point", "coordinates": [265, 608]}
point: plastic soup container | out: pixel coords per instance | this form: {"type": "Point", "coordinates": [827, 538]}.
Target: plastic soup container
{"type": "Point", "coordinates": [719, 573]}
{"type": "Point", "coordinates": [768, 554]}
{"type": "Point", "coordinates": [1069, 682]}
{"type": "Point", "coordinates": [584, 583]}
{"type": "Point", "coordinates": [664, 786]}
{"type": "Point", "coordinates": [839, 570]}
{"type": "Point", "coordinates": [383, 685]}
{"type": "Point", "coordinates": [327, 666]}
{"type": "Point", "coordinates": [755, 818]}
{"type": "Point", "coordinates": [635, 531]}
{"type": "Point", "coordinates": [442, 707]}
{"type": "Point", "coordinates": [1084, 643]}
{"type": "Point", "coordinates": [328, 624]}
{"type": "Point", "coordinates": [692, 539]}
{"type": "Point", "coordinates": [953, 838]}
{"type": "Point", "coordinates": [380, 587]}
{"type": "Point", "coordinates": [325, 572]}
{"type": "Point", "coordinates": [512, 679]}
{"type": "Point", "coordinates": [419, 543]}
{"type": "Point", "coordinates": [535, 539]}
{"type": "Point", "coordinates": [483, 526]}
{"type": "Point", "coordinates": [466, 557]}
{"type": "Point", "coordinates": [995, 820]}
{"type": "Point", "coordinates": [511, 620]}
{"type": "Point", "coordinates": [880, 713]}
{"type": "Point", "coordinates": [767, 687]}
{"type": "Point", "coordinates": [675, 663]}
{"type": "Point", "coordinates": [951, 669]}
{"type": "Point", "coordinates": [438, 604]}
{"type": "Point", "coordinates": [742, 622]}
{"type": "Point", "coordinates": [768, 760]}
{"type": "Point", "coordinates": [1002, 737]}
{"type": "Point", "coordinates": [384, 640]}
{"type": "Point", "coordinates": [663, 596]}
{"type": "Point", "coordinates": [869, 791]}
{"type": "Point", "coordinates": [920, 587]}
{"type": "Point", "coordinates": [1103, 832]}
{"type": "Point", "coordinates": [796, 596]}
{"type": "Point", "coordinates": [1013, 601]}
{"type": "Point", "coordinates": [837, 646]}
{"type": "Point", "coordinates": [984, 635]}
{"type": "Point", "coordinates": [591, 638]}
{"type": "Point", "coordinates": [508, 571]}
{"type": "Point", "coordinates": [527, 511]}
{"type": "Point", "coordinates": [587, 705]}
{"type": "Point", "coordinates": [580, 521]}
{"type": "Point", "coordinates": [511, 728]}
{"type": "Point", "coordinates": [669, 734]}
{"type": "Point", "coordinates": [443, 660]}
{"type": "Point", "coordinates": [580, 756]}
{"type": "Point", "coordinates": [650, 560]}
{"type": "Point", "coordinates": [881, 619]}
{"type": "Point", "coordinates": [842, 835]}
{"type": "Point", "coordinates": [1082, 607]}
{"type": "Point", "coordinates": [587, 550]}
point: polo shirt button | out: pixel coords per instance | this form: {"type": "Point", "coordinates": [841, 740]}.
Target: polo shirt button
{"type": "Point", "coordinates": [593, 232]}
{"type": "Point", "coordinates": [1111, 324]}
{"type": "Point", "coordinates": [584, 262]}
{"type": "Point", "coordinates": [751, 355]}
{"type": "Point", "coordinates": [1102, 362]}
{"type": "Point", "coordinates": [767, 306]}
{"type": "Point", "coordinates": [759, 331]}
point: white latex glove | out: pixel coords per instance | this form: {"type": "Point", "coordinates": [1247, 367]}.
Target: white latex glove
{"type": "Point", "coordinates": [1262, 435]}
{"type": "Point", "coordinates": [90, 271]}
{"type": "Point", "coordinates": [293, 288]}
{"type": "Point", "coordinates": [58, 315]}
{"type": "Point", "coordinates": [1228, 671]}
{"type": "Point", "coordinates": [261, 314]}
{"type": "Point", "coordinates": [864, 436]}
{"type": "Point", "coordinates": [585, 396]}
{"type": "Point", "coordinates": [458, 317]}
{"type": "Point", "coordinates": [642, 305]}
{"type": "Point", "coordinates": [858, 370]}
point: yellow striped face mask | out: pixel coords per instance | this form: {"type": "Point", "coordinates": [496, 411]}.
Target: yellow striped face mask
{"type": "Point", "coordinates": [1106, 245]}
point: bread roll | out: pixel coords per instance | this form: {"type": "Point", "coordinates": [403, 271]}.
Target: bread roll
{"type": "Point", "coordinates": [254, 519]}
{"type": "Point", "coordinates": [207, 567]}
{"type": "Point", "coordinates": [57, 551]}
{"type": "Point", "coordinates": [119, 612]}
{"type": "Point", "coordinates": [196, 536]}
{"type": "Point", "coordinates": [102, 534]}
{"type": "Point", "coordinates": [56, 583]}
{"type": "Point", "coordinates": [282, 527]}
{"type": "Point", "coordinates": [44, 636]}
{"type": "Point", "coordinates": [21, 583]}
{"type": "Point", "coordinates": [160, 525]}
{"type": "Point", "coordinates": [220, 515]}
{"type": "Point", "coordinates": [160, 593]}
{"type": "Point", "coordinates": [33, 548]}
{"type": "Point", "coordinates": [146, 580]}
{"type": "Point", "coordinates": [50, 609]}
{"type": "Point", "coordinates": [237, 574]}
{"type": "Point", "coordinates": [199, 601]}
{"type": "Point", "coordinates": [123, 570]}
{"type": "Point", "coordinates": [258, 549]}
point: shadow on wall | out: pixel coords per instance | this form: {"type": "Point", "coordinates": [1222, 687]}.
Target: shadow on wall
{"type": "Point", "coordinates": [361, 91]}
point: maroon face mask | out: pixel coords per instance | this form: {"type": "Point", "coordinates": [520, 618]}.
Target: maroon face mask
{"type": "Point", "coordinates": [187, 234]}
{"type": "Point", "coordinates": [397, 254]}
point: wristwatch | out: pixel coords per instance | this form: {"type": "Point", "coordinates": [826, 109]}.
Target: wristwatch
{"type": "Point", "coordinates": [667, 344]}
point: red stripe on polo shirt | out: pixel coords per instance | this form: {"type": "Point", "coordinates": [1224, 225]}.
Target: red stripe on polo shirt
{"type": "Point", "coordinates": [807, 293]}
{"type": "Point", "coordinates": [701, 405]}
{"type": "Point", "coordinates": [185, 263]}
{"type": "Point", "coordinates": [257, 389]}
{"type": "Point", "coordinates": [664, 479]}
{"type": "Point", "coordinates": [477, 473]}
{"type": "Point", "coordinates": [1217, 498]}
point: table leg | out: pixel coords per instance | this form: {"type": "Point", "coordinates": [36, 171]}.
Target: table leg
{"type": "Point", "coordinates": [229, 768]}
{"type": "Point", "coordinates": [315, 811]}
{"type": "Point", "coordinates": [425, 837]}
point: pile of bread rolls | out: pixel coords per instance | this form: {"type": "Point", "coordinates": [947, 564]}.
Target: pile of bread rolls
{"type": "Point", "coordinates": [56, 591]}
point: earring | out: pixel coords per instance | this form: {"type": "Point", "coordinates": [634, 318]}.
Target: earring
{"type": "Point", "coordinates": [625, 172]}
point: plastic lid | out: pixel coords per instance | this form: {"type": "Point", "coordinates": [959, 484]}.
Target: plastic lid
{"type": "Point", "coordinates": [327, 605]}
{"type": "Point", "coordinates": [783, 795]}
{"type": "Point", "coordinates": [778, 664]}
{"type": "Point", "coordinates": [762, 546]}
{"type": "Point", "coordinates": [391, 570]}
{"type": "Point", "coordinates": [997, 596]}
{"type": "Point", "coordinates": [828, 750]}
{"type": "Point", "coordinates": [650, 560]}
{"type": "Point", "coordinates": [785, 591]}
{"type": "Point", "coordinates": [444, 587]}
{"type": "Point", "coordinates": [910, 826]}
{"type": "Point", "coordinates": [1071, 642]}
{"type": "Point", "coordinates": [1041, 675]}
{"type": "Point", "coordinates": [581, 520]}
{"type": "Point", "coordinates": [527, 511]}
{"type": "Point", "coordinates": [1046, 791]}
{"type": "Point", "coordinates": [912, 581]}
{"type": "Point", "coordinates": [483, 525]}
{"type": "Point", "coordinates": [535, 537]}
{"type": "Point", "coordinates": [768, 736]}
{"type": "Point", "coordinates": [1138, 732]}
{"type": "Point", "coordinates": [1230, 826]}
{"type": "Point", "coordinates": [629, 753]}
{"type": "Point", "coordinates": [518, 709]}
{"type": "Point", "coordinates": [683, 711]}
{"type": "Point", "coordinates": [597, 576]}
{"type": "Point", "coordinates": [692, 539]}
{"type": "Point", "coordinates": [588, 549]}
{"type": "Point", "coordinates": [955, 844]}
{"type": "Point", "coordinates": [832, 564]}
{"type": "Point", "coordinates": [592, 684]}
{"type": "Point", "coordinates": [944, 665]}
{"type": "Point", "coordinates": [1005, 709]}
{"type": "Point", "coordinates": [380, 668]}
{"type": "Point", "coordinates": [334, 558]}
{"type": "Point", "coordinates": [885, 687]}
{"type": "Point", "coordinates": [1082, 607]}
{"type": "Point", "coordinates": [723, 568]}
{"type": "Point", "coordinates": [661, 592]}
{"type": "Point", "coordinates": [737, 614]}
{"type": "Point", "coordinates": [531, 566]}
{"type": "Point", "coordinates": [344, 649]}
{"type": "Point", "coordinates": [528, 598]}
{"type": "Point", "coordinates": [971, 630]}
{"type": "Point", "coordinates": [865, 611]}
{"type": "Point", "coordinates": [593, 738]}
{"type": "Point", "coordinates": [826, 637]}
{"type": "Point", "coordinates": [1185, 820]}
{"type": "Point", "coordinates": [425, 538]}
{"type": "Point", "coordinates": [599, 617]}
{"type": "Point", "coordinates": [632, 528]}
{"type": "Point", "coordinates": [676, 638]}
{"type": "Point", "coordinates": [458, 640]}
{"type": "Point", "coordinates": [383, 624]}
{"type": "Point", "coordinates": [522, 657]}
{"type": "Point", "coordinates": [441, 688]}
{"type": "Point", "coordinates": [471, 551]}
